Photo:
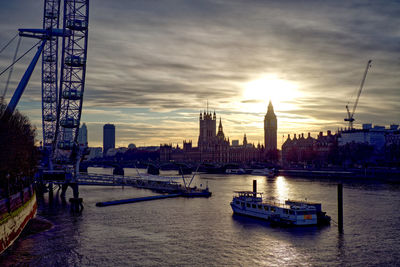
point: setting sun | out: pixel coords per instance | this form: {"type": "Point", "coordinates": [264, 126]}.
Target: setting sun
{"type": "Point", "coordinates": [259, 92]}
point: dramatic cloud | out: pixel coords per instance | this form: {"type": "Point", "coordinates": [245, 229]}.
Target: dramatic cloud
{"type": "Point", "coordinates": [152, 65]}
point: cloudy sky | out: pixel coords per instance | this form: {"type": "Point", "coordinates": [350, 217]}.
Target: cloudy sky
{"type": "Point", "coordinates": [152, 65]}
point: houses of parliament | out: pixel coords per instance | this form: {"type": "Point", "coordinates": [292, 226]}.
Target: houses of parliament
{"type": "Point", "coordinates": [214, 147]}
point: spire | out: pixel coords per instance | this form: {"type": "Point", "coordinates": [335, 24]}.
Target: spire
{"type": "Point", "coordinates": [270, 107]}
{"type": "Point", "coordinates": [220, 133]}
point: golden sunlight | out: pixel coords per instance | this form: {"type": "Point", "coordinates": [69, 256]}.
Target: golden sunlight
{"type": "Point", "coordinates": [259, 92]}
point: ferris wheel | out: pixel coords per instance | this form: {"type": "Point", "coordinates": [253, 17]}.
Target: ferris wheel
{"type": "Point", "coordinates": [62, 92]}
{"type": "Point", "coordinates": [61, 109]}
{"type": "Point", "coordinates": [72, 78]}
{"type": "Point", "coordinates": [50, 73]}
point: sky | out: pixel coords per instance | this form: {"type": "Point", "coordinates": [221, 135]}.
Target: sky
{"type": "Point", "coordinates": [153, 66]}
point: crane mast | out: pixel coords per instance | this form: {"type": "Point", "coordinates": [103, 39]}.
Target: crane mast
{"type": "Point", "coordinates": [350, 116]}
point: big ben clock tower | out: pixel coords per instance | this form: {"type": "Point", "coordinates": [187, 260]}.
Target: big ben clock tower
{"type": "Point", "coordinates": [270, 129]}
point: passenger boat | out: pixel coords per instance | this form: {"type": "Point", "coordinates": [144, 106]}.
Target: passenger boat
{"type": "Point", "coordinates": [291, 212]}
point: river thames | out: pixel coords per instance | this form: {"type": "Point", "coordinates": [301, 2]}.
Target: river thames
{"type": "Point", "coordinates": [203, 231]}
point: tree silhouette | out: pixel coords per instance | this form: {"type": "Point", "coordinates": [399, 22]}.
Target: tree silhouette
{"type": "Point", "coordinates": [18, 154]}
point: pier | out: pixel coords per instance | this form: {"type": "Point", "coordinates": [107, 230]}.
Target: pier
{"type": "Point", "coordinates": [160, 184]}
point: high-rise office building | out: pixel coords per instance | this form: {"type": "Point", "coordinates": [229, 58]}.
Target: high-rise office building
{"type": "Point", "coordinates": [82, 136]}
{"type": "Point", "coordinates": [270, 129]}
{"type": "Point", "coordinates": [108, 137]}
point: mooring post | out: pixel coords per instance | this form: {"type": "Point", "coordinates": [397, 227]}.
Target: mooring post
{"type": "Point", "coordinates": [340, 207]}
{"type": "Point", "coordinates": [255, 188]}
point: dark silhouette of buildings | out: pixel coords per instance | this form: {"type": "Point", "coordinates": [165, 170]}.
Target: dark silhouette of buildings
{"type": "Point", "coordinates": [82, 136]}
{"type": "Point", "coordinates": [306, 151]}
{"type": "Point", "coordinates": [270, 129]}
{"type": "Point", "coordinates": [108, 137]}
{"type": "Point", "coordinates": [214, 147]}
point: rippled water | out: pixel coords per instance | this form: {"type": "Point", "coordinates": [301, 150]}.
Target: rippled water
{"type": "Point", "coordinates": [203, 232]}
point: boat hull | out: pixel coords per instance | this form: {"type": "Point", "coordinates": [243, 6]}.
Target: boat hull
{"type": "Point", "coordinates": [23, 208]}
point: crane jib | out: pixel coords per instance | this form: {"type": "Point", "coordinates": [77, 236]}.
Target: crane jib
{"type": "Point", "coordinates": [350, 116]}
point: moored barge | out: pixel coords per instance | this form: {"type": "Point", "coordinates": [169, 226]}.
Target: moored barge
{"type": "Point", "coordinates": [291, 212]}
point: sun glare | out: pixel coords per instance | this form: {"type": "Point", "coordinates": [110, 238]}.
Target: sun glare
{"type": "Point", "coordinates": [259, 92]}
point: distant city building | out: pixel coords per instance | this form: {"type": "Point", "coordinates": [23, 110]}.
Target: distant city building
{"type": "Point", "coordinates": [82, 136]}
{"type": "Point", "coordinates": [131, 146]}
{"type": "Point", "coordinates": [148, 148]}
{"type": "Point", "coordinates": [108, 137]}
{"type": "Point", "coordinates": [95, 152]}
{"type": "Point", "coordinates": [377, 136]}
{"type": "Point", "coordinates": [213, 146]}
{"type": "Point", "coordinates": [307, 150]}
{"type": "Point", "coordinates": [270, 129]}
{"type": "Point", "coordinates": [393, 136]}
{"type": "Point", "coordinates": [111, 152]}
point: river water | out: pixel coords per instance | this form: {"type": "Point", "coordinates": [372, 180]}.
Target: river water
{"type": "Point", "coordinates": [203, 232]}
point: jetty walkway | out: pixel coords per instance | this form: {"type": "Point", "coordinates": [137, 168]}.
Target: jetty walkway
{"type": "Point", "coordinates": [153, 182]}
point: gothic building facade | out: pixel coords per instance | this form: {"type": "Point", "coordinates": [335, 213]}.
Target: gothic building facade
{"type": "Point", "coordinates": [214, 146]}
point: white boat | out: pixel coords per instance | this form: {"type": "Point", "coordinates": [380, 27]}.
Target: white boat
{"type": "Point", "coordinates": [235, 171]}
{"type": "Point", "coordinates": [291, 212]}
{"type": "Point", "coordinates": [264, 172]}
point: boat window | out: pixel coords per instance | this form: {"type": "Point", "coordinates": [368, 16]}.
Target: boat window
{"type": "Point", "coordinates": [253, 206]}
{"type": "Point", "coordinates": [242, 204]}
{"type": "Point", "coordinates": [291, 212]}
{"type": "Point", "coordinates": [266, 208]}
{"type": "Point", "coordinates": [260, 207]}
{"type": "Point", "coordinates": [237, 202]}
{"type": "Point", "coordinates": [248, 205]}
{"type": "Point", "coordinates": [285, 211]}
{"type": "Point", "coordinates": [273, 209]}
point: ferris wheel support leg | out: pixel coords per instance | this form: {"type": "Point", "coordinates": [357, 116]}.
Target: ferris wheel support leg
{"type": "Point", "coordinates": [76, 201]}
{"type": "Point", "coordinates": [22, 84]}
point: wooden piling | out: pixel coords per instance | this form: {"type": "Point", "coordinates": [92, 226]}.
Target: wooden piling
{"type": "Point", "coordinates": [255, 187]}
{"type": "Point", "coordinates": [340, 207]}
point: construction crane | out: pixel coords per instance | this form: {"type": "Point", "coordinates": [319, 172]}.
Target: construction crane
{"type": "Point", "coordinates": [350, 116]}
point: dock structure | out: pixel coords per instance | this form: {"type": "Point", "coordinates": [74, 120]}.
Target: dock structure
{"type": "Point", "coordinates": [168, 186]}
{"type": "Point", "coordinates": [152, 182]}
{"type": "Point", "coordinates": [160, 184]}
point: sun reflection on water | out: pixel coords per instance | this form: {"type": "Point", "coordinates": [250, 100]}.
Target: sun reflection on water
{"type": "Point", "coordinates": [281, 188]}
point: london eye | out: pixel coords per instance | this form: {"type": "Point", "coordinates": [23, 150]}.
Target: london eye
{"type": "Point", "coordinates": [62, 91]}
